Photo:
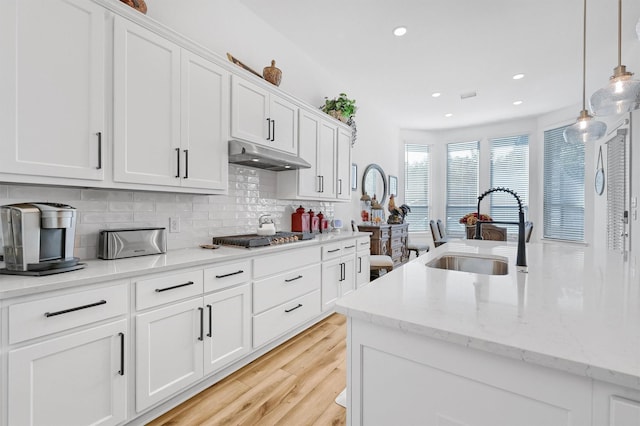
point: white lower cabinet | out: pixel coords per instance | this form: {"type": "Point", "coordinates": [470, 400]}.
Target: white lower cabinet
{"type": "Point", "coordinates": [77, 379]}
{"type": "Point", "coordinates": [179, 344]}
{"type": "Point", "coordinates": [363, 253]}
{"type": "Point", "coordinates": [227, 327]}
{"type": "Point", "coordinates": [338, 271]}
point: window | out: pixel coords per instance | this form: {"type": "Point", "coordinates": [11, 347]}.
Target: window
{"type": "Point", "coordinates": [462, 184]}
{"type": "Point", "coordinates": [416, 188]}
{"type": "Point", "coordinates": [510, 169]}
{"type": "Point", "coordinates": [563, 187]}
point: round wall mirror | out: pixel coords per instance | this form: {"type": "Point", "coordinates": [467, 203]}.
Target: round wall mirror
{"type": "Point", "coordinates": [374, 182]}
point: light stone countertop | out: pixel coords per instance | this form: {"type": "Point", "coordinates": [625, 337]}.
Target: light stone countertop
{"type": "Point", "coordinates": [98, 270]}
{"type": "Point", "coordinates": [572, 311]}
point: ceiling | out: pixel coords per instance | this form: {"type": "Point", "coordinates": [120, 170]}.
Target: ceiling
{"type": "Point", "coordinates": [455, 47]}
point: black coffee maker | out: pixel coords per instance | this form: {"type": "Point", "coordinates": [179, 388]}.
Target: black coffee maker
{"type": "Point", "coordinates": [38, 238]}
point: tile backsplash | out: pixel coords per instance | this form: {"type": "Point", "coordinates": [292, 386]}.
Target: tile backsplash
{"type": "Point", "coordinates": [252, 192]}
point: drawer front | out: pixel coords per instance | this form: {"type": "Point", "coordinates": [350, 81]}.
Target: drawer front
{"type": "Point", "coordinates": [277, 321]}
{"type": "Point", "coordinates": [274, 291]}
{"type": "Point", "coordinates": [46, 316]}
{"type": "Point", "coordinates": [228, 275]}
{"type": "Point", "coordinates": [168, 288]}
{"type": "Point", "coordinates": [331, 251]}
{"type": "Point", "coordinates": [285, 261]}
{"type": "Point", "coordinates": [349, 247]}
{"type": "Point", "coordinates": [363, 244]}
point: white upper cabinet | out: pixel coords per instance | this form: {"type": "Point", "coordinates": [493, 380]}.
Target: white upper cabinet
{"type": "Point", "coordinates": [327, 146]}
{"type": "Point", "coordinates": [171, 110]}
{"type": "Point", "coordinates": [205, 118]}
{"type": "Point", "coordinates": [343, 165]}
{"type": "Point", "coordinates": [147, 106]}
{"type": "Point", "coordinates": [262, 117]}
{"type": "Point", "coordinates": [52, 90]}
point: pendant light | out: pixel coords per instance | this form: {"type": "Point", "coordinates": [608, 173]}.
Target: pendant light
{"type": "Point", "coordinates": [585, 129]}
{"type": "Point", "coordinates": [622, 94]}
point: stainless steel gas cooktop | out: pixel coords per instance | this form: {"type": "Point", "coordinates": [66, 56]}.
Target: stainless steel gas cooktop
{"type": "Point", "coordinates": [254, 240]}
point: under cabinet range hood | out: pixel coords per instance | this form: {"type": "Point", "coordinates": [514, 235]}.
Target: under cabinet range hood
{"type": "Point", "coordinates": [262, 157]}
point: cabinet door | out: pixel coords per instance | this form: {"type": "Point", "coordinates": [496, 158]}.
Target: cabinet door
{"type": "Point", "coordinates": [348, 279]}
{"type": "Point", "coordinates": [249, 111]}
{"type": "Point", "coordinates": [284, 124]}
{"type": "Point", "coordinates": [204, 114]}
{"type": "Point", "coordinates": [327, 152]}
{"type": "Point", "coordinates": [146, 106]}
{"type": "Point", "coordinates": [343, 185]}
{"type": "Point", "coordinates": [309, 133]}
{"type": "Point", "coordinates": [227, 327]}
{"type": "Point", "coordinates": [77, 379]}
{"type": "Point", "coordinates": [169, 344]}
{"type": "Point", "coordinates": [52, 90]}
{"type": "Point", "coordinates": [331, 276]}
{"type": "Point", "coordinates": [362, 269]}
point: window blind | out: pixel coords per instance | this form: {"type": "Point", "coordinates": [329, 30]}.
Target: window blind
{"type": "Point", "coordinates": [416, 188]}
{"type": "Point", "coordinates": [509, 169]}
{"type": "Point", "coordinates": [617, 192]}
{"type": "Point", "coordinates": [563, 209]}
{"type": "Point", "coordinates": [462, 184]}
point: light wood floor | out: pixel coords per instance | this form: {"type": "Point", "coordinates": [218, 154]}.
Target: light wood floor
{"type": "Point", "coordinates": [294, 384]}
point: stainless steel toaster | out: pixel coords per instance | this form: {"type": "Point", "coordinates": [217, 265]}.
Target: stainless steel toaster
{"type": "Point", "coordinates": [121, 243]}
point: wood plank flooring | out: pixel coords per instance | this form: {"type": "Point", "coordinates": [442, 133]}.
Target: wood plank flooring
{"type": "Point", "coordinates": [294, 384]}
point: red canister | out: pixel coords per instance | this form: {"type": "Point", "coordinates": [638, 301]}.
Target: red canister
{"type": "Point", "coordinates": [323, 223]}
{"type": "Point", "coordinates": [315, 223]}
{"type": "Point", "coordinates": [300, 221]}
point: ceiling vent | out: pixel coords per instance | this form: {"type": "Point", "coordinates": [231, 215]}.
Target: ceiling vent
{"type": "Point", "coordinates": [469, 95]}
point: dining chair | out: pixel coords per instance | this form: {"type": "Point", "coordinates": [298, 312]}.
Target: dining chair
{"type": "Point", "coordinates": [438, 233]}
{"type": "Point", "coordinates": [489, 232]}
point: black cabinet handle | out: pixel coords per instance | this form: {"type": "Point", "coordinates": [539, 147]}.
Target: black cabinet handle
{"type": "Point", "coordinates": [268, 129]}
{"type": "Point", "coordinates": [160, 290]}
{"type": "Point", "coordinates": [321, 183]}
{"type": "Point", "coordinates": [201, 337]}
{"type": "Point", "coordinates": [294, 308]}
{"type": "Point", "coordinates": [66, 311]}
{"type": "Point", "coordinates": [319, 180]}
{"type": "Point", "coordinates": [273, 133]}
{"type": "Point", "coordinates": [121, 372]}
{"type": "Point", "coordinates": [340, 186]}
{"type": "Point", "coordinates": [178, 162]}
{"type": "Point", "coordinates": [350, 247]}
{"type": "Point", "coordinates": [293, 279]}
{"type": "Point", "coordinates": [99, 150]}
{"type": "Point", "coordinates": [333, 251]}
{"type": "Point", "coordinates": [186, 164]}
{"type": "Point", "coordinates": [210, 333]}
{"type": "Point", "coordinates": [230, 274]}
{"type": "Point", "coordinates": [359, 264]}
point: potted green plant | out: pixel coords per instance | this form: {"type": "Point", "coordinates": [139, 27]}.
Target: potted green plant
{"type": "Point", "coordinates": [341, 107]}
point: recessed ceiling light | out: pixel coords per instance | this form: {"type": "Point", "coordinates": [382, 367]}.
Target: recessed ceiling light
{"type": "Point", "coordinates": [517, 102]}
{"type": "Point", "coordinates": [399, 31]}
{"type": "Point", "coordinates": [436, 94]}
{"type": "Point", "coordinates": [518, 76]}
{"type": "Point", "coordinates": [448, 115]}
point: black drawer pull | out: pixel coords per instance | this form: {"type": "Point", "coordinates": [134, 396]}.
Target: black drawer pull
{"type": "Point", "coordinates": [293, 279]}
{"type": "Point", "coordinates": [121, 372]}
{"type": "Point", "coordinates": [294, 308]}
{"type": "Point", "coordinates": [66, 311]}
{"type": "Point", "coordinates": [230, 274]}
{"type": "Point", "coordinates": [350, 246]}
{"type": "Point", "coordinates": [333, 251]}
{"type": "Point", "coordinates": [178, 162]}
{"type": "Point", "coordinates": [160, 290]}
{"type": "Point", "coordinates": [210, 333]}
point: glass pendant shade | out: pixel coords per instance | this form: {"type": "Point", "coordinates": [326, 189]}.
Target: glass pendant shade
{"type": "Point", "coordinates": [622, 94]}
{"type": "Point", "coordinates": [585, 129]}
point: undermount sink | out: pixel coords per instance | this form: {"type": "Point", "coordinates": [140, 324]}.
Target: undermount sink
{"type": "Point", "coordinates": [474, 264]}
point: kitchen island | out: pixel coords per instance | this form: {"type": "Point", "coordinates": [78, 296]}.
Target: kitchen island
{"type": "Point", "coordinates": [559, 344]}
